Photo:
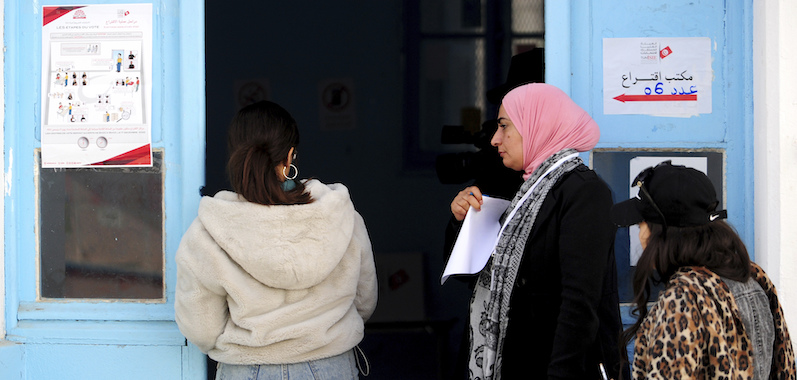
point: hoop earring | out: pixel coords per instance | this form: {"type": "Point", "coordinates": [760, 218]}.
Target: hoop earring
{"type": "Point", "coordinates": [296, 171]}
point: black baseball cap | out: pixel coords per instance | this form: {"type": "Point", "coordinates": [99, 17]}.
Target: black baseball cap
{"type": "Point", "coordinates": [670, 195]}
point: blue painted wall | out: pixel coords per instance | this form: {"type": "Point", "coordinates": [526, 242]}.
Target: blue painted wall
{"type": "Point", "coordinates": [77, 340]}
{"type": "Point", "coordinates": [297, 46]}
{"type": "Point", "coordinates": [728, 127]}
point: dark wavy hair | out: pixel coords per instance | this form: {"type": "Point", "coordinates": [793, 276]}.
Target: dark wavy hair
{"type": "Point", "coordinates": [259, 139]}
{"type": "Point", "coordinates": [715, 246]}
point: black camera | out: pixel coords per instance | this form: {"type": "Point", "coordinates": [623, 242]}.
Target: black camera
{"type": "Point", "coordinates": [484, 166]}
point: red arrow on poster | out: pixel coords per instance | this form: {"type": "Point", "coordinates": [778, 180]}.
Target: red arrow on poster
{"type": "Point", "coordinates": [655, 98]}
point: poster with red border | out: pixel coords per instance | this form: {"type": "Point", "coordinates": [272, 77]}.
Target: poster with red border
{"type": "Point", "coordinates": [96, 106]}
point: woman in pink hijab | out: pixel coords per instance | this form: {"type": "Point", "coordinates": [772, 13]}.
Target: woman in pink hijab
{"type": "Point", "coordinates": [546, 305]}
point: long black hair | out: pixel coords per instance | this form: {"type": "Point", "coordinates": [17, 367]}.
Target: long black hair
{"type": "Point", "coordinates": [715, 246]}
{"type": "Point", "coordinates": [259, 139]}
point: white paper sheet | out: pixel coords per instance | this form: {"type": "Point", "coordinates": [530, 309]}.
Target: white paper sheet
{"type": "Point", "coordinates": [476, 239]}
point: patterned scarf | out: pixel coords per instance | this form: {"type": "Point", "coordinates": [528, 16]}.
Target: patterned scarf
{"type": "Point", "coordinates": [489, 305]}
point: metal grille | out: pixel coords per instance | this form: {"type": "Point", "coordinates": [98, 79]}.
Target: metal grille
{"type": "Point", "coordinates": [451, 87]}
{"type": "Point", "coordinates": [459, 49]}
{"type": "Point", "coordinates": [521, 45]}
{"type": "Point", "coordinates": [446, 16]}
{"type": "Point", "coordinates": [528, 16]}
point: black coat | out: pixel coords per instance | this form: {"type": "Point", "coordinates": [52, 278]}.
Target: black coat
{"type": "Point", "coordinates": [564, 313]}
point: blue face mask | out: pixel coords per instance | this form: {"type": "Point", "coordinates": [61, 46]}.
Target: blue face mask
{"type": "Point", "coordinates": [288, 185]}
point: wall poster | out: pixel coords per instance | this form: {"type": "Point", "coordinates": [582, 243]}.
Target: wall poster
{"type": "Point", "coordinates": [96, 105]}
{"type": "Point", "coordinates": [664, 76]}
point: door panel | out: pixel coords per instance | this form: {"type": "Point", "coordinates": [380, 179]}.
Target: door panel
{"type": "Point", "coordinates": [101, 362]}
{"type": "Point", "coordinates": [89, 253]}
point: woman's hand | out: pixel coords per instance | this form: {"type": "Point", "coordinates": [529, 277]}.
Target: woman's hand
{"type": "Point", "coordinates": [470, 196]}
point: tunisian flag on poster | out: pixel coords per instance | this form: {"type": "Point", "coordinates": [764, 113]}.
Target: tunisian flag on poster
{"type": "Point", "coordinates": [96, 106]}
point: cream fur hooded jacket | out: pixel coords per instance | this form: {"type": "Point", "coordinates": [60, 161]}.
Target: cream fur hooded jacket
{"type": "Point", "coordinates": [275, 284]}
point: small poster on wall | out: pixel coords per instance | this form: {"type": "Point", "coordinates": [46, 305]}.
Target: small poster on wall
{"type": "Point", "coordinates": [664, 76]}
{"type": "Point", "coordinates": [96, 85]}
{"type": "Point", "coordinates": [337, 108]}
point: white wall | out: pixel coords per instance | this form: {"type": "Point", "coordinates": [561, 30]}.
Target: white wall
{"type": "Point", "coordinates": [775, 116]}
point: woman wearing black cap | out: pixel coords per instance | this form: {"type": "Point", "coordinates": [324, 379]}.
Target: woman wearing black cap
{"type": "Point", "coordinates": [718, 316]}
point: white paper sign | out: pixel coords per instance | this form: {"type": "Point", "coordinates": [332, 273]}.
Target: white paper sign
{"type": "Point", "coordinates": [96, 85]}
{"type": "Point", "coordinates": [657, 76]}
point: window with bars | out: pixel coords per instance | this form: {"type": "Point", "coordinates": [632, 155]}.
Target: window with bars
{"type": "Point", "coordinates": [455, 51]}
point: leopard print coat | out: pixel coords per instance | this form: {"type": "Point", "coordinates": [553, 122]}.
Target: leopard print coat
{"type": "Point", "coordinates": [694, 332]}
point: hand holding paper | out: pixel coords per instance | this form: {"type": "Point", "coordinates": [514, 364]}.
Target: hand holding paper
{"type": "Point", "coordinates": [476, 239]}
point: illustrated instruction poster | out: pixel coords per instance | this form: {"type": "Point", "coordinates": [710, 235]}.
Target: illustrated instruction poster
{"type": "Point", "coordinates": [657, 76]}
{"type": "Point", "coordinates": [96, 85]}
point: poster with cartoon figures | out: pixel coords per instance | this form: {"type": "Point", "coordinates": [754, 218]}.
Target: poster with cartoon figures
{"type": "Point", "coordinates": [96, 85]}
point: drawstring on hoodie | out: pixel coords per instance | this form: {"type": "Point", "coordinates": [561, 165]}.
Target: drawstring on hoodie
{"type": "Point", "coordinates": [367, 370]}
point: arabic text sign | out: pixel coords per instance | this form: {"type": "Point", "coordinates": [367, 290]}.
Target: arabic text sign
{"type": "Point", "coordinates": [657, 76]}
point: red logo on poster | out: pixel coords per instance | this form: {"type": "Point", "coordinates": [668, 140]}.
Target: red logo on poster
{"type": "Point", "coordinates": [665, 52]}
{"type": "Point", "coordinates": [79, 14]}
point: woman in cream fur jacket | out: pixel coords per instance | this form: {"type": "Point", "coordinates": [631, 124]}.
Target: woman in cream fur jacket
{"type": "Point", "coordinates": [278, 276]}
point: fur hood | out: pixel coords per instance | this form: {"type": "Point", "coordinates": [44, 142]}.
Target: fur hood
{"type": "Point", "coordinates": [274, 244]}
{"type": "Point", "coordinates": [275, 284]}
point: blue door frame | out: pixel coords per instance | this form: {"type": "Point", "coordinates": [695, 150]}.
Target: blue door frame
{"type": "Point", "coordinates": [101, 339]}
{"type": "Point", "coordinates": [69, 339]}
{"type": "Point", "coordinates": [575, 30]}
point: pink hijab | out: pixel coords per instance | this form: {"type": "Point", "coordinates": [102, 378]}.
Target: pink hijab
{"type": "Point", "coordinates": [548, 121]}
